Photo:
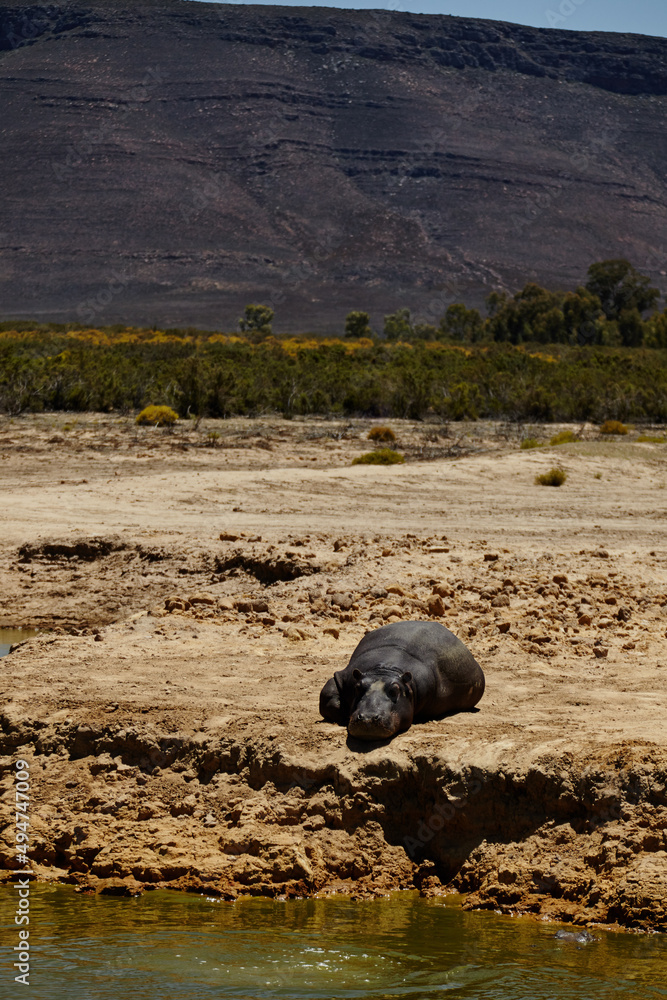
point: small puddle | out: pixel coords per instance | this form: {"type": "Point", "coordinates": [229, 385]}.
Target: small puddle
{"type": "Point", "coordinates": [8, 636]}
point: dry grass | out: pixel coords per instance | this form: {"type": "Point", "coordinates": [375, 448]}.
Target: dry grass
{"type": "Point", "coordinates": [554, 477]}
{"type": "Point", "coordinates": [383, 456]}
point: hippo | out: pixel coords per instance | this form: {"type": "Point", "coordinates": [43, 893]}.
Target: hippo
{"type": "Point", "coordinates": [404, 672]}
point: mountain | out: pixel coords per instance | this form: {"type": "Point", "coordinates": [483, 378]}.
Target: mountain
{"type": "Point", "coordinates": [167, 161]}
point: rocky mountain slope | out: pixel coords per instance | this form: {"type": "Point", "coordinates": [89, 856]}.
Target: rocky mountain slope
{"type": "Point", "coordinates": [169, 162]}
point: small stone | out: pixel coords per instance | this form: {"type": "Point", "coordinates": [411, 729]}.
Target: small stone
{"type": "Point", "coordinates": [442, 589]}
{"type": "Point", "coordinates": [98, 638]}
{"type": "Point", "coordinates": [334, 632]}
{"type": "Point", "coordinates": [436, 606]}
{"type": "Point", "coordinates": [377, 592]}
{"type": "Point", "coordinates": [601, 652]}
{"type": "Point", "coordinates": [338, 545]}
{"type": "Point", "coordinates": [501, 601]}
{"type": "Point", "coordinates": [629, 645]}
{"type": "Point", "coordinates": [228, 536]}
{"type": "Point", "coordinates": [293, 634]}
{"type": "Point", "coordinates": [177, 604]}
{"type": "Point", "coordinates": [387, 552]}
{"type": "Point", "coordinates": [393, 611]}
{"type": "Point", "coordinates": [226, 604]}
{"type": "Point", "coordinates": [623, 614]}
{"type": "Point", "coordinates": [560, 579]}
{"type": "Point", "coordinates": [257, 606]}
{"type": "Point", "coordinates": [504, 627]}
{"type": "Point", "coordinates": [610, 600]}
{"type": "Point", "coordinates": [342, 601]}
{"type": "Point", "coordinates": [395, 588]}
{"type": "Point", "coordinates": [490, 556]}
{"type": "Point", "coordinates": [584, 619]}
{"type": "Point", "coordinates": [207, 599]}
{"type": "Point", "coordinates": [601, 554]}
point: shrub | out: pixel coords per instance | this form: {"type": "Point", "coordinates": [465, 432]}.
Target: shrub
{"type": "Point", "coordinates": [381, 434]}
{"type": "Point", "coordinates": [554, 477]}
{"type": "Point", "coordinates": [564, 437]}
{"type": "Point", "coordinates": [157, 416]}
{"type": "Point", "coordinates": [652, 438]}
{"type": "Point", "coordinates": [613, 427]}
{"type": "Point", "coordinates": [530, 443]}
{"type": "Point", "coordinates": [383, 456]}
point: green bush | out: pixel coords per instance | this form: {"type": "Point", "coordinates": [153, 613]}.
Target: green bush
{"type": "Point", "coordinates": [382, 434]}
{"type": "Point", "coordinates": [157, 416]}
{"type": "Point", "coordinates": [651, 438]}
{"type": "Point", "coordinates": [564, 437]}
{"type": "Point", "coordinates": [613, 427]}
{"type": "Point", "coordinates": [554, 477]}
{"type": "Point", "coordinates": [530, 443]}
{"type": "Point", "coordinates": [383, 456]}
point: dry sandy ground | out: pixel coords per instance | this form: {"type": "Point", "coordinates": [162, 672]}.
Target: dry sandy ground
{"type": "Point", "coordinates": [169, 706]}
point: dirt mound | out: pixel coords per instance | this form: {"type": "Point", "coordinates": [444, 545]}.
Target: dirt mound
{"type": "Point", "coordinates": [86, 549]}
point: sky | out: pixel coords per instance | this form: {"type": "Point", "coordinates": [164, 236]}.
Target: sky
{"type": "Point", "coordinates": [646, 17]}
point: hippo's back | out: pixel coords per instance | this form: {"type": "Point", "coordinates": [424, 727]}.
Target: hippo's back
{"type": "Point", "coordinates": [431, 644]}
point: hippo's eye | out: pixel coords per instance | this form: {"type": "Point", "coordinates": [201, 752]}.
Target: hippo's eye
{"type": "Point", "coordinates": [394, 691]}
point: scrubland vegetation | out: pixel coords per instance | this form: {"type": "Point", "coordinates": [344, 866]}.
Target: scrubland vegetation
{"type": "Point", "coordinates": [537, 356]}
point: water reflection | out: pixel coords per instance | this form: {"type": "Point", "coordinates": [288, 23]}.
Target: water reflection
{"type": "Point", "coordinates": [179, 946]}
{"type": "Point", "coordinates": [8, 636]}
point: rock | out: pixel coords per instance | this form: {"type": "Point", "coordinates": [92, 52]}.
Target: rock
{"type": "Point", "coordinates": [377, 592]}
{"type": "Point", "coordinates": [205, 599]}
{"type": "Point", "coordinates": [338, 545]}
{"type": "Point", "coordinates": [623, 614]}
{"type": "Point", "coordinates": [504, 627]}
{"type": "Point", "coordinates": [185, 807]}
{"type": "Point", "coordinates": [228, 536]}
{"type": "Point", "coordinates": [342, 601]}
{"type": "Point", "coordinates": [490, 556]}
{"type": "Point", "coordinates": [335, 632]}
{"type": "Point", "coordinates": [584, 619]}
{"type": "Point", "coordinates": [436, 606]}
{"type": "Point", "coordinates": [120, 887]}
{"type": "Point", "coordinates": [295, 634]}
{"type": "Point", "coordinates": [392, 611]}
{"type": "Point", "coordinates": [387, 552]}
{"type": "Point", "coordinates": [177, 604]}
{"type": "Point", "coordinates": [249, 606]}
{"type": "Point", "coordinates": [629, 645]}
{"type": "Point", "coordinates": [601, 652]}
{"type": "Point", "coordinates": [501, 601]}
{"type": "Point", "coordinates": [395, 588]}
{"type": "Point", "coordinates": [442, 589]}
{"type": "Point", "coordinates": [610, 600]}
{"type": "Point", "coordinates": [560, 579]}
{"type": "Point", "coordinates": [601, 554]}
{"type": "Point", "coordinates": [226, 604]}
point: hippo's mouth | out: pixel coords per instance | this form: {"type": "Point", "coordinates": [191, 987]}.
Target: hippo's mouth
{"type": "Point", "coordinates": [370, 729]}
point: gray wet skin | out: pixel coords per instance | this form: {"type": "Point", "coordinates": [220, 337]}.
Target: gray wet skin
{"type": "Point", "coordinates": [402, 673]}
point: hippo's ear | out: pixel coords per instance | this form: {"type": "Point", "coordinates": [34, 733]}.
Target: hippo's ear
{"type": "Point", "coordinates": [356, 675]}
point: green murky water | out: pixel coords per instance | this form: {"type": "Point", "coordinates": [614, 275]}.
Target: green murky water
{"type": "Point", "coordinates": [170, 945]}
{"type": "Point", "coordinates": [8, 636]}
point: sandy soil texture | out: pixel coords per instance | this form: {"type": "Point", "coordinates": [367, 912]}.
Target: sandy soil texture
{"type": "Point", "coordinates": [196, 588]}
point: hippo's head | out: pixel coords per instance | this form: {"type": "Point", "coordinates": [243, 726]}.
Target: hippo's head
{"type": "Point", "coordinates": [380, 706]}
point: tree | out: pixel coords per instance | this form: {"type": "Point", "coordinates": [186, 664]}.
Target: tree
{"type": "Point", "coordinates": [656, 330]}
{"type": "Point", "coordinates": [460, 323]}
{"type": "Point", "coordinates": [620, 287]}
{"type": "Point", "coordinates": [357, 325]}
{"type": "Point", "coordinates": [256, 319]}
{"type": "Point", "coordinates": [397, 326]}
{"type": "Point", "coordinates": [631, 328]}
